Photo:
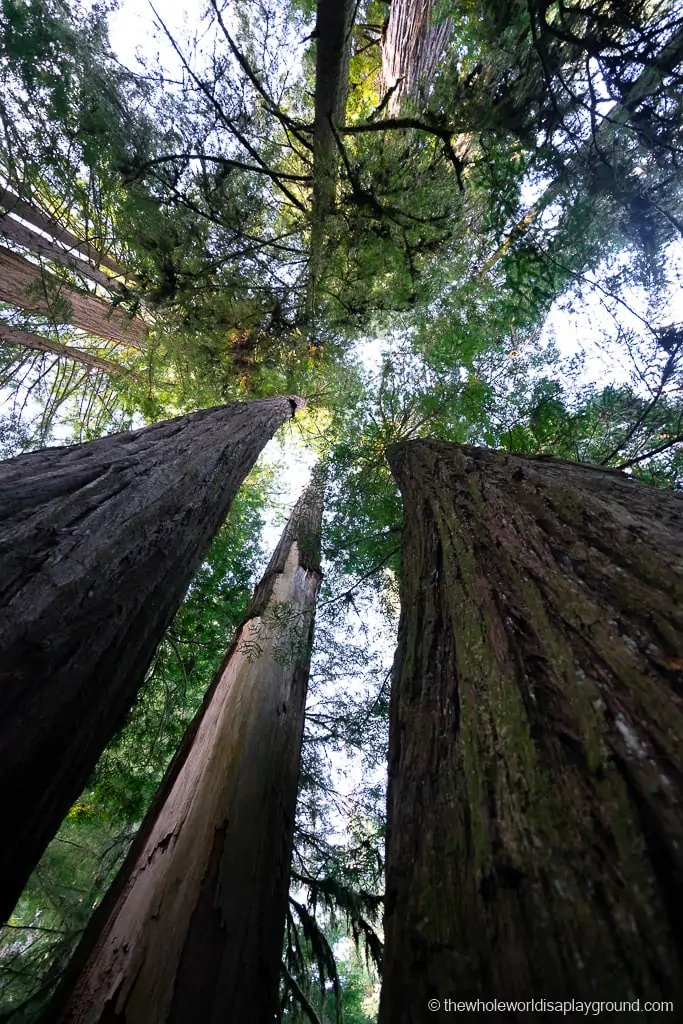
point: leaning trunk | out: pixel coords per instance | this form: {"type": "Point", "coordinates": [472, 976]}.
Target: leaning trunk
{"type": "Point", "coordinates": [30, 287]}
{"type": "Point", "coordinates": [33, 215]}
{"type": "Point", "coordinates": [98, 544]}
{"type": "Point", "coordinates": [535, 804]}
{"type": "Point", "coordinates": [38, 343]}
{"type": "Point", "coordinates": [192, 928]}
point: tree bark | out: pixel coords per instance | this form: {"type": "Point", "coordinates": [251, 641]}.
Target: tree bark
{"type": "Point", "coordinates": [98, 543]}
{"type": "Point", "coordinates": [535, 804]}
{"type": "Point", "coordinates": [28, 286]}
{"type": "Point", "coordinates": [32, 215]}
{"type": "Point", "coordinates": [333, 53]}
{"type": "Point", "coordinates": [192, 929]}
{"type": "Point", "coordinates": [14, 231]}
{"type": "Point", "coordinates": [411, 49]}
{"type": "Point", "coordinates": [26, 339]}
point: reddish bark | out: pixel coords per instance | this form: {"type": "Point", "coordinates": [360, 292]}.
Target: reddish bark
{"type": "Point", "coordinates": [192, 929]}
{"type": "Point", "coordinates": [412, 46]}
{"type": "Point", "coordinates": [26, 339]}
{"type": "Point", "coordinates": [35, 216]}
{"type": "Point", "coordinates": [30, 287]}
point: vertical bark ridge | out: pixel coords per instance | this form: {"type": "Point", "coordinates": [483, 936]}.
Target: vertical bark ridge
{"type": "Point", "coordinates": [192, 928]}
{"type": "Point", "coordinates": [30, 287]}
{"type": "Point", "coordinates": [535, 805]}
{"type": "Point", "coordinates": [411, 49]}
{"type": "Point", "coordinates": [98, 543]}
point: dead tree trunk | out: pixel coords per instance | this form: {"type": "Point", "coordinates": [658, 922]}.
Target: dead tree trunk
{"type": "Point", "coordinates": [535, 805]}
{"type": "Point", "coordinates": [30, 287]}
{"type": "Point", "coordinates": [411, 49]}
{"type": "Point", "coordinates": [98, 544]}
{"type": "Point", "coordinates": [333, 52]}
{"type": "Point", "coordinates": [192, 928]}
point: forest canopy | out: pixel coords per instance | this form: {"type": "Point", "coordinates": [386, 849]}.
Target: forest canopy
{"type": "Point", "coordinates": [454, 221]}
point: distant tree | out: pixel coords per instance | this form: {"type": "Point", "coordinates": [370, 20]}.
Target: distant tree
{"type": "Point", "coordinates": [535, 838]}
{"type": "Point", "coordinates": [98, 544]}
{"type": "Point", "coordinates": [192, 928]}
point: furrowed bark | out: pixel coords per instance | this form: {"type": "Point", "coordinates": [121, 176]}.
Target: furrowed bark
{"type": "Point", "coordinates": [98, 543]}
{"type": "Point", "coordinates": [535, 804]}
{"type": "Point", "coordinates": [333, 53]}
{"type": "Point", "coordinates": [26, 339]}
{"type": "Point", "coordinates": [28, 286]}
{"type": "Point", "coordinates": [411, 49]}
{"type": "Point", "coordinates": [192, 928]}
{"type": "Point", "coordinates": [33, 215]}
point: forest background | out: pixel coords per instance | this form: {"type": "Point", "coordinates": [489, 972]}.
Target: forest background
{"type": "Point", "coordinates": [483, 245]}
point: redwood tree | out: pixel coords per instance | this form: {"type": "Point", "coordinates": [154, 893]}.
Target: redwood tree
{"type": "Point", "coordinates": [535, 805]}
{"type": "Point", "coordinates": [192, 927]}
{"type": "Point", "coordinates": [98, 543]}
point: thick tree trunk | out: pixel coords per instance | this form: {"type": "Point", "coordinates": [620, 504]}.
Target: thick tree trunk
{"type": "Point", "coordinates": [192, 929]}
{"type": "Point", "coordinates": [98, 544]}
{"type": "Point", "coordinates": [26, 339]}
{"type": "Point", "coordinates": [535, 844]}
{"type": "Point", "coordinates": [333, 52]}
{"type": "Point", "coordinates": [411, 49]}
{"type": "Point", "coordinates": [28, 286]}
{"type": "Point", "coordinates": [32, 215]}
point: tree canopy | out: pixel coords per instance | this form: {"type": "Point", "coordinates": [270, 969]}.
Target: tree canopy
{"type": "Point", "coordinates": [432, 220]}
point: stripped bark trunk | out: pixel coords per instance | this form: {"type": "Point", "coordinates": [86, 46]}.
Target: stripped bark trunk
{"type": "Point", "coordinates": [333, 53]}
{"type": "Point", "coordinates": [535, 805]}
{"type": "Point", "coordinates": [411, 49]}
{"type": "Point", "coordinates": [33, 215]}
{"type": "Point", "coordinates": [192, 929]}
{"type": "Point", "coordinates": [26, 339]}
{"type": "Point", "coordinates": [14, 231]}
{"type": "Point", "coordinates": [98, 543]}
{"type": "Point", "coordinates": [28, 286]}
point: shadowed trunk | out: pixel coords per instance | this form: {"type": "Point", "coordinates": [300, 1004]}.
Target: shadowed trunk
{"type": "Point", "coordinates": [26, 339]}
{"type": "Point", "coordinates": [535, 805]}
{"type": "Point", "coordinates": [411, 50]}
{"type": "Point", "coordinates": [192, 928]}
{"type": "Point", "coordinates": [98, 543]}
{"type": "Point", "coordinates": [333, 53]}
{"type": "Point", "coordinates": [32, 215]}
{"type": "Point", "coordinates": [30, 287]}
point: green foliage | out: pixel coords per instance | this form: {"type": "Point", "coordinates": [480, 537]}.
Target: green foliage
{"type": "Point", "coordinates": [513, 199]}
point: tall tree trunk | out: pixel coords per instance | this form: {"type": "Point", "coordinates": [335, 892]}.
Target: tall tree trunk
{"type": "Point", "coordinates": [33, 215]}
{"type": "Point", "coordinates": [98, 543]}
{"type": "Point", "coordinates": [28, 286]}
{"type": "Point", "coordinates": [14, 231]}
{"type": "Point", "coordinates": [192, 928]}
{"type": "Point", "coordinates": [333, 53]}
{"type": "Point", "coordinates": [26, 339]}
{"type": "Point", "coordinates": [411, 49]}
{"type": "Point", "coordinates": [535, 805]}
